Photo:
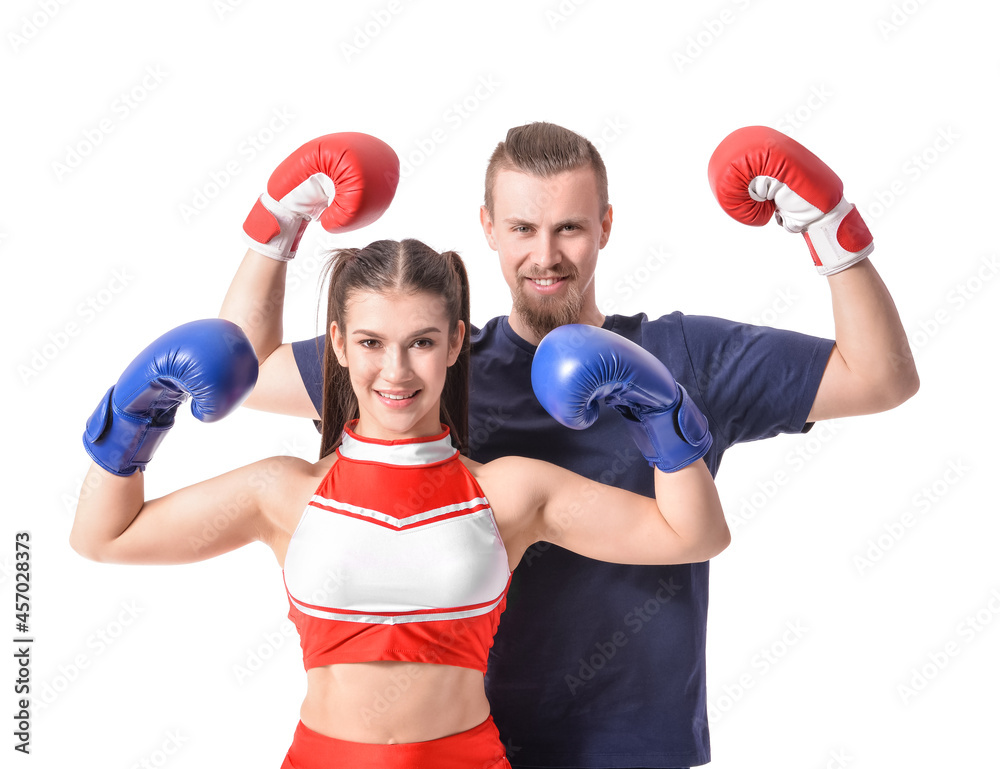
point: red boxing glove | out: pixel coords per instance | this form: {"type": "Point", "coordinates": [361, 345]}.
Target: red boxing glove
{"type": "Point", "coordinates": [757, 171]}
{"type": "Point", "coordinates": [346, 180]}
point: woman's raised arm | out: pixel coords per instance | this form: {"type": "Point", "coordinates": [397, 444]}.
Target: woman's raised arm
{"type": "Point", "coordinates": [210, 361]}
{"type": "Point", "coordinates": [114, 522]}
{"type": "Point", "coordinates": [575, 369]}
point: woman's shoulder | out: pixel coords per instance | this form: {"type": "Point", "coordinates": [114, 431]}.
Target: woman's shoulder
{"type": "Point", "coordinates": [281, 473]}
{"type": "Point", "coordinates": [284, 485]}
{"type": "Point", "coordinates": [504, 467]}
{"type": "Point", "coordinates": [487, 470]}
{"type": "Point", "coordinates": [510, 476]}
{"type": "Point", "coordinates": [292, 465]}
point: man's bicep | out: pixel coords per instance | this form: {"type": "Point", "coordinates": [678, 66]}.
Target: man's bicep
{"type": "Point", "coordinates": [280, 388]}
{"type": "Point", "coordinates": [842, 393]}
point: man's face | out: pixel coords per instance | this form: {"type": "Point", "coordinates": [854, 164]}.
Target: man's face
{"type": "Point", "coordinates": [548, 232]}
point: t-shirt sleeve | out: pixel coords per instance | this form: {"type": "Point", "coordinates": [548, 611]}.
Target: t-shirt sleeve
{"type": "Point", "coordinates": [755, 381]}
{"type": "Point", "coordinates": [309, 358]}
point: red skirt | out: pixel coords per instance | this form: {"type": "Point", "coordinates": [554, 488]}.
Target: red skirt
{"type": "Point", "coordinates": [477, 748]}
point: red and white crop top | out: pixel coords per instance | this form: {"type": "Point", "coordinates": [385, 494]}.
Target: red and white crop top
{"type": "Point", "coordinates": [397, 557]}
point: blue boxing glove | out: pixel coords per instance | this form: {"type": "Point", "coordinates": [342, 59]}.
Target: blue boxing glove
{"type": "Point", "coordinates": [211, 360]}
{"type": "Point", "coordinates": [576, 367]}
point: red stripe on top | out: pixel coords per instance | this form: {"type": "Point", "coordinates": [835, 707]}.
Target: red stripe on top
{"type": "Point", "coordinates": [399, 492]}
{"type": "Point", "coordinates": [370, 519]}
{"type": "Point", "coordinates": [463, 642]}
{"type": "Point", "coordinates": [443, 610]}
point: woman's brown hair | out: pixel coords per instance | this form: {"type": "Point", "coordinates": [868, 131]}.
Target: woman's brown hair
{"type": "Point", "coordinates": [387, 266]}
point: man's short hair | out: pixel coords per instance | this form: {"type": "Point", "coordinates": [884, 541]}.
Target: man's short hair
{"type": "Point", "coordinates": [545, 149]}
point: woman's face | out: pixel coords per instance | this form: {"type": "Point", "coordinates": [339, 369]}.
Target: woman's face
{"type": "Point", "coordinates": [397, 348]}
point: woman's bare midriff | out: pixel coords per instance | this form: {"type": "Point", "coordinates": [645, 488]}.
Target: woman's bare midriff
{"type": "Point", "coordinates": [393, 702]}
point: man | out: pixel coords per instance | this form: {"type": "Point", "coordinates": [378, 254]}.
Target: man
{"type": "Point", "coordinates": [596, 664]}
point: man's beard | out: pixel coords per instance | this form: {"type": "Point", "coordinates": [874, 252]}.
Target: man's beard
{"type": "Point", "coordinates": [543, 313]}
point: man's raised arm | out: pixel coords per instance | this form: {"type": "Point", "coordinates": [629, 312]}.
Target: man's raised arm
{"type": "Point", "coordinates": [254, 302]}
{"type": "Point", "coordinates": [346, 180]}
{"type": "Point", "coordinates": [757, 172]}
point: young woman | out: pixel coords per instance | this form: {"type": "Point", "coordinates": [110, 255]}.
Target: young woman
{"type": "Point", "coordinates": [420, 540]}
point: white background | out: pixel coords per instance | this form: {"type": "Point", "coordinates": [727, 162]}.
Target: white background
{"type": "Point", "coordinates": [109, 243]}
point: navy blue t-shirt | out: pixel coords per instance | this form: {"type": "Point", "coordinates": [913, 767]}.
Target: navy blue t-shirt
{"type": "Point", "coordinates": [597, 664]}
